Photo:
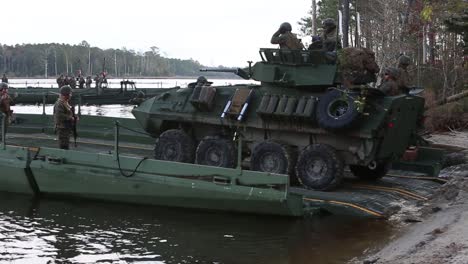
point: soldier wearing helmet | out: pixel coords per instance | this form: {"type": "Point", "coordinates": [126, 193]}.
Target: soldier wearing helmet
{"type": "Point", "coordinates": [389, 82]}
{"type": "Point", "coordinates": [201, 81]}
{"type": "Point", "coordinates": [63, 117]}
{"type": "Point", "coordinates": [327, 40]}
{"type": "Point", "coordinates": [404, 80]}
{"type": "Point", "coordinates": [61, 81]}
{"type": "Point", "coordinates": [5, 103]}
{"type": "Point", "coordinates": [285, 38]}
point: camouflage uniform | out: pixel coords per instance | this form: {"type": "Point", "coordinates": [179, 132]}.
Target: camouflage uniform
{"type": "Point", "coordinates": [5, 103]}
{"type": "Point", "coordinates": [389, 85]}
{"type": "Point", "coordinates": [97, 81]}
{"type": "Point", "coordinates": [89, 81]}
{"type": "Point", "coordinates": [72, 82]}
{"type": "Point", "coordinates": [285, 38]}
{"type": "Point", "coordinates": [404, 80]}
{"type": "Point", "coordinates": [60, 81]}
{"type": "Point", "coordinates": [327, 40]}
{"type": "Point", "coordinates": [63, 117]}
{"type": "Point", "coordinates": [81, 82]}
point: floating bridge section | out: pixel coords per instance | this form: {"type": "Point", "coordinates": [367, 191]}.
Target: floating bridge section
{"type": "Point", "coordinates": [98, 170]}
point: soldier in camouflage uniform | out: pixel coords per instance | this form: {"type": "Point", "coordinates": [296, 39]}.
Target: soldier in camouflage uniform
{"type": "Point", "coordinates": [5, 103]}
{"type": "Point", "coordinates": [63, 117]}
{"type": "Point", "coordinates": [404, 80]}
{"type": "Point", "coordinates": [285, 38]}
{"type": "Point", "coordinates": [60, 81]}
{"type": "Point", "coordinates": [89, 81]}
{"type": "Point", "coordinates": [81, 81]}
{"type": "Point", "coordinates": [201, 81]}
{"type": "Point", "coordinates": [327, 40]}
{"type": "Point", "coordinates": [389, 82]}
{"type": "Point", "coordinates": [97, 81]}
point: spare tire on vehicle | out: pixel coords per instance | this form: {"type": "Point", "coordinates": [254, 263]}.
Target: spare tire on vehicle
{"type": "Point", "coordinates": [337, 110]}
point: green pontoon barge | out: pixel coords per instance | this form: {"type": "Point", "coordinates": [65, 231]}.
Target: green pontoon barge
{"type": "Point", "coordinates": [109, 165]}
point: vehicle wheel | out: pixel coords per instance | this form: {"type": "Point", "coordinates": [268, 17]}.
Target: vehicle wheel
{"type": "Point", "coordinates": [216, 151]}
{"type": "Point", "coordinates": [371, 172]}
{"type": "Point", "coordinates": [174, 145]}
{"type": "Point", "coordinates": [319, 167]}
{"type": "Point", "coordinates": [336, 112]}
{"type": "Point", "coordinates": [273, 157]}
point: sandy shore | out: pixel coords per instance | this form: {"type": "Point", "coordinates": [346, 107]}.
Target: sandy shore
{"type": "Point", "coordinates": [436, 232]}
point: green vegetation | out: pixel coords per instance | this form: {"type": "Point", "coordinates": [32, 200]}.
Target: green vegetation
{"type": "Point", "coordinates": [52, 59]}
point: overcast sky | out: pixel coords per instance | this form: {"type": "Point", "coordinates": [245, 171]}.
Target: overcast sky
{"type": "Point", "coordinates": [214, 32]}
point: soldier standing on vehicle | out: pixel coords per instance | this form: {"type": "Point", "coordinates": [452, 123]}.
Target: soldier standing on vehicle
{"type": "Point", "coordinates": [5, 103]}
{"type": "Point", "coordinates": [404, 79]}
{"type": "Point", "coordinates": [327, 40]}
{"type": "Point", "coordinates": [4, 78]}
{"type": "Point", "coordinates": [389, 84]}
{"type": "Point", "coordinates": [63, 117]}
{"type": "Point", "coordinates": [202, 81]}
{"type": "Point", "coordinates": [285, 38]}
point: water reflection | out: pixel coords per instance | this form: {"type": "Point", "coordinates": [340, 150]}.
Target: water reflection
{"type": "Point", "coordinates": [71, 231]}
{"type": "Point", "coordinates": [124, 111]}
{"type": "Point", "coordinates": [139, 83]}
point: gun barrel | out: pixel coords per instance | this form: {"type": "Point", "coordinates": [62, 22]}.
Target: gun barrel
{"type": "Point", "coordinates": [239, 72]}
{"type": "Point", "coordinates": [219, 70]}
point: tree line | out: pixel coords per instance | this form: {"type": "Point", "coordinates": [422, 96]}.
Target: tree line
{"type": "Point", "coordinates": [433, 33]}
{"type": "Point", "coordinates": [53, 59]}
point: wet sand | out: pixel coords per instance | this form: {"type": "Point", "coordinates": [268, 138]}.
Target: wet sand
{"type": "Point", "coordinates": [437, 232]}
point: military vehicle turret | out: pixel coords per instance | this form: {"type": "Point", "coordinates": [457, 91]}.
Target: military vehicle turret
{"type": "Point", "coordinates": [305, 119]}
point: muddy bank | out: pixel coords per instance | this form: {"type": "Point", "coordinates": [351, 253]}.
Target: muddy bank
{"type": "Point", "coordinates": [436, 231]}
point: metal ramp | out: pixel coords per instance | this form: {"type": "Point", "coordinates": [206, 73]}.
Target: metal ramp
{"type": "Point", "coordinates": [378, 199]}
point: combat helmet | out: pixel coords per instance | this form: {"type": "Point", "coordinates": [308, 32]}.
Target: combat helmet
{"type": "Point", "coordinates": [65, 90]}
{"type": "Point", "coordinates": [285, 27]}
{"type": "Point", "coordinates": [404, 60]}
{"type": "Point", "coordinates": [328, 23]}
{"type": "Point", "coordinates": [202, 79]}
{"type": "Point", "coordinates": [3, 85]}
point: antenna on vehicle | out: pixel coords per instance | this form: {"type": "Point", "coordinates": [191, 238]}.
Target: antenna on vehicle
{"type": "Point", "coordinates": [340, 27]}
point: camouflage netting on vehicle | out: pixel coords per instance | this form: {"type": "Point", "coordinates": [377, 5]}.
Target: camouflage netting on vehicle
{"type": "Point", "coordinates": [357, 65]}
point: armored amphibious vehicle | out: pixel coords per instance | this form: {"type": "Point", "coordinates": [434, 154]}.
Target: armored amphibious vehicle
{"type": "Point", "coordinates": [302, 120]}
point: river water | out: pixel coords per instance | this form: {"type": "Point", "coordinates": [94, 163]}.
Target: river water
{"type": "Point", "coordinates": [72, 231]}
{"type": "Point", "coordinates": [110, 110]}
{"type": "Point", "coordinates": [139, 83]}
{"type": "Point", "coordinates": [56, 230]}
